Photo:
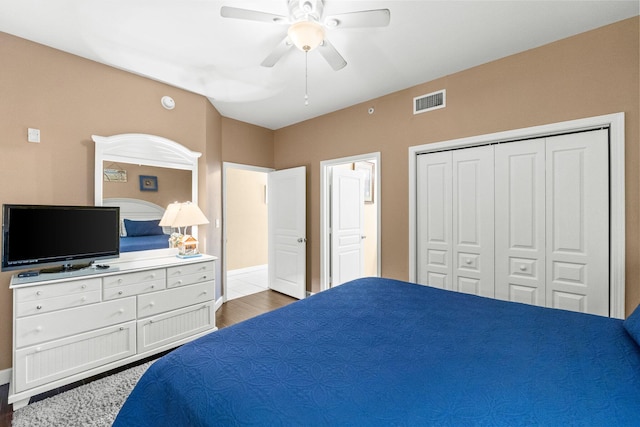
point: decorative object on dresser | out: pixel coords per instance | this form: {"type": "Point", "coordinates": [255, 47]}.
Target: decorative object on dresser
{"type": "Point", "coordinates": [73, 325]}
{"type": "Point", "coordinates": [180, 216]}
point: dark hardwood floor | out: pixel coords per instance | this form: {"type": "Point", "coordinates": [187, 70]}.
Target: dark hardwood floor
{"type": "Point", "coordinates": [232, 312]}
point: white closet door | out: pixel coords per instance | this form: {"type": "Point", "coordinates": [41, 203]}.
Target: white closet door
{"type": "Point", "coordinates": [577, 235]}
{"type": "Point", "coordinates": [520, 221]}
{"type": "Point", "coordinates": [434, 217]}
{"type": "Point", "coordinates": [473, 221]}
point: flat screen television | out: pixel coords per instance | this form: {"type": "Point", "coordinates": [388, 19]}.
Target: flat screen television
{"type": "Point", "coordinates": [68, 237]}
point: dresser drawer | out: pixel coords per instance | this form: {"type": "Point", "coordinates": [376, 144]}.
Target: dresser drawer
{"type": "Point", "coordinates": [123, 291]}
{"type": "Point", "coordinates": [44, 327]}
{"type": "Point", "coordinates": [167, 328]}
{"type": "Point", "coordinates": [171, 299]}
{"type": "Point", "coordinates": [189, 273]}
{"type": "Point", "coordinates": [58, 359]}
{"type": "Point", "coordinates": [38, 293]}
{"type": "Point", "coordinates": [47, 305]}
{"type": "Point", "coordinates": [189, 279]}
{"type": "Point", "coordinates": [133, 278]}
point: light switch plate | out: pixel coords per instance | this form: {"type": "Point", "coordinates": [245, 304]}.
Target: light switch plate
{"type": "Point", "coordinates": [33, 135]}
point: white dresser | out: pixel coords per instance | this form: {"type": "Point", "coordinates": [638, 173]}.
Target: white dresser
{"type": "Point", "coordinates": [70, 326]}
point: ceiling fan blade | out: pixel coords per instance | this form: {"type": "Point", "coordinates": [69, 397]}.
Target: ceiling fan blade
{"type": "Point", "coordinates": [365, 18]}
{"type": "Point", "coordinates": [252, 15]}
{"type": "Point", "coordinates": [277, 53]}
{"type": "Point", "coordinates": [332, 56]}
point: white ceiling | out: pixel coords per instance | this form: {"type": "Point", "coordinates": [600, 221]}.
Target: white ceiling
{"type": "Point", "coordinates": [186, 43]}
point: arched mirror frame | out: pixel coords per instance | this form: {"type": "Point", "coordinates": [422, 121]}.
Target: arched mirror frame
{"type": "Point", "coordinates": [143, 149]}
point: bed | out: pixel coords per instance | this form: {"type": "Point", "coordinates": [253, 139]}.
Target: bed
{"type": "Point", "coordinates": [384, 352]}
{"type": "Point", "coordinates": [139, 229]}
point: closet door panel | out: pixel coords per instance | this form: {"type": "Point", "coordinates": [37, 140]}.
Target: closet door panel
{"type": "Point", "coordinates": [473, 231]}
{"type": "Point", "coordinates": [520, 221]}
{"type": "Point", "coordinates": [577, 235]}
{"type": "Point", "coordinates": [434, 220]}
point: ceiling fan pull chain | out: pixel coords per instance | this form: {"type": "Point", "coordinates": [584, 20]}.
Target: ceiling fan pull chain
{"type": "Point", "coordinates": [306, 79]}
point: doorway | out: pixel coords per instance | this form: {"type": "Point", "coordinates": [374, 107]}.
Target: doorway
{"type": "Point", "coordinates": [369, 166]}
{"type": "Point", "coordinates": [245, 230]}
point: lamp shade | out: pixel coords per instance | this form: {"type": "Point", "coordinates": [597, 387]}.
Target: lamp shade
{"type": "Point", "coordinates": [170, 215]}
{"type": "Point", "coordinates": [189, 214]}
{"type": "Point", "coordinates": [306, 35]}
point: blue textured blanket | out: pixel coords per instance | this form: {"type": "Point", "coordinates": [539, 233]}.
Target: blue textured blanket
{"type": "Point", "coordinates": [384, 352]}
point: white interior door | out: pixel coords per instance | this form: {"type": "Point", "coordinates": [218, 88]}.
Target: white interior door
{"type": "Point", "coordinates": [577, 232]}
{"type": "Point", "coordinates": [347, 225]}
{"type": "Point", "coordinates": [520, 221]}
{"type": "Point", "coordinates": [434, 220]}
{"type": "Point", "coordinates": [287, 231]}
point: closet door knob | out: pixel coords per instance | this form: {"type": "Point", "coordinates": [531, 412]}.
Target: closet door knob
{"type": "Point", "coordinates": [468, 261]}
{"type": "Point", "coordinates": [523, 267]}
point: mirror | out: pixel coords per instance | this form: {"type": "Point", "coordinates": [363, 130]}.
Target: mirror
{"type": "Point", "coordinates": [142, 174]}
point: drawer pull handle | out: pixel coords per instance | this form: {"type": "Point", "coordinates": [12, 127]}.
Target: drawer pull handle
{"type": "Point", "coordinates": [153, 286]}
{"type": "Point", "coordinates": [150, 321]}
{"type": "Point", "coordinates": [84, 286]}
{"type": "Point", "coordinates": [153, 275]}
{"type": "Point", "coordinates": [83, 299]}
{"type": "Point", "coordinates": [38, 349]}
{"type": "Point", "coordinates": [204, 277]}
{"type": "Point", "coordinates": [119, 292]}
{"type": "Point", "coordinates": [523, 267]}
{"type": "Point", "coordinates": [39, 307]}
{"type": "Point", "coordinates": [468, 261]}
{"type": "Point", "coordinates": [179, 272]}
{"type": "Point", "coordinates": [121, 311]}
{"type": "Point", "coordinates": [121, 328]}
{"type": "Point", "coordinates": [151, 304]}
{"type": "Point", "coordinates": [179, 282]}
{"type": "Point", "coordinates": [38, 293]}
{"type": "Point", "coordinates": [39, 329]}
{"type": "Point", "coordinates": [119, 280]}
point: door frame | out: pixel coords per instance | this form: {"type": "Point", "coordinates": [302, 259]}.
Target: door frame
{"type": "Point", "coordinates": [225, 167]}
{"type": "Point", "coordinates": [615, 124]}
{"type": "Point", "coordinates": [325, 214]}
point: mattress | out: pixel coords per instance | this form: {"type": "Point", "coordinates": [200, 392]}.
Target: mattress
{"type": "Point", "coordinates": [384, 352]}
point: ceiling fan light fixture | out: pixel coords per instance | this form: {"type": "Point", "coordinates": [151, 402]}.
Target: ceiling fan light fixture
{"type": "Point", "coordinates": [306, 35]}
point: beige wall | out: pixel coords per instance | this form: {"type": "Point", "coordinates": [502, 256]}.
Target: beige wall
{"type": "Point", "coordinates": [69, 99]}
{"type": "Point", "coordinates": [591, 74]}
{"type": "Point", "coordinates": [247, 244]}
{"type": "Point", "coordinates": [246, 144]}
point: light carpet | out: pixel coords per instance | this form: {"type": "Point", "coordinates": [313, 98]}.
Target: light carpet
{"type": "Point", "coordinates": [95, 404]}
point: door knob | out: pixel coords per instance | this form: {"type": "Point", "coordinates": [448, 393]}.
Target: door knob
{"type": "Point", "coordinates": [302, 239]}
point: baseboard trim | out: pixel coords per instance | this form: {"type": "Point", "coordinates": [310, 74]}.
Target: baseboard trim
{"type": "Point", "coordinates": [246, 270]}
{"type": "Point", "coordinates": [5, 376]}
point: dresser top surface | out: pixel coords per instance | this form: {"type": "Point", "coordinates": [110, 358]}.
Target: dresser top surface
{"type": "Point", "coordinates": [115, 267]}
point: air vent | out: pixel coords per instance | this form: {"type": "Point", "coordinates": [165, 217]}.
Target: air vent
{"type": "Point", "coordinates": [430, 101]}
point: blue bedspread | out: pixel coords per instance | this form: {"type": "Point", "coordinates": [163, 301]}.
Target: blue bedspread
{"type": "Point", "coordinates": [143, 243]}
{"type": "Point", "coordinates": [384, 352]}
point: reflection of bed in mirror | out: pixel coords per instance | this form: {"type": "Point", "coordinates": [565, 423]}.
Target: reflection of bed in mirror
{"type": "Point", "coordinates": [139, 229]}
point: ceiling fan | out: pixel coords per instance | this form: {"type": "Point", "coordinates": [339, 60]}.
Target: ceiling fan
{"type": "Point", "coordinates": [307, 27]}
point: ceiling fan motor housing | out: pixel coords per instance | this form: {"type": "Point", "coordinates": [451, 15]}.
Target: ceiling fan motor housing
{"type": "Point", "coordinates": [305, 9]}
